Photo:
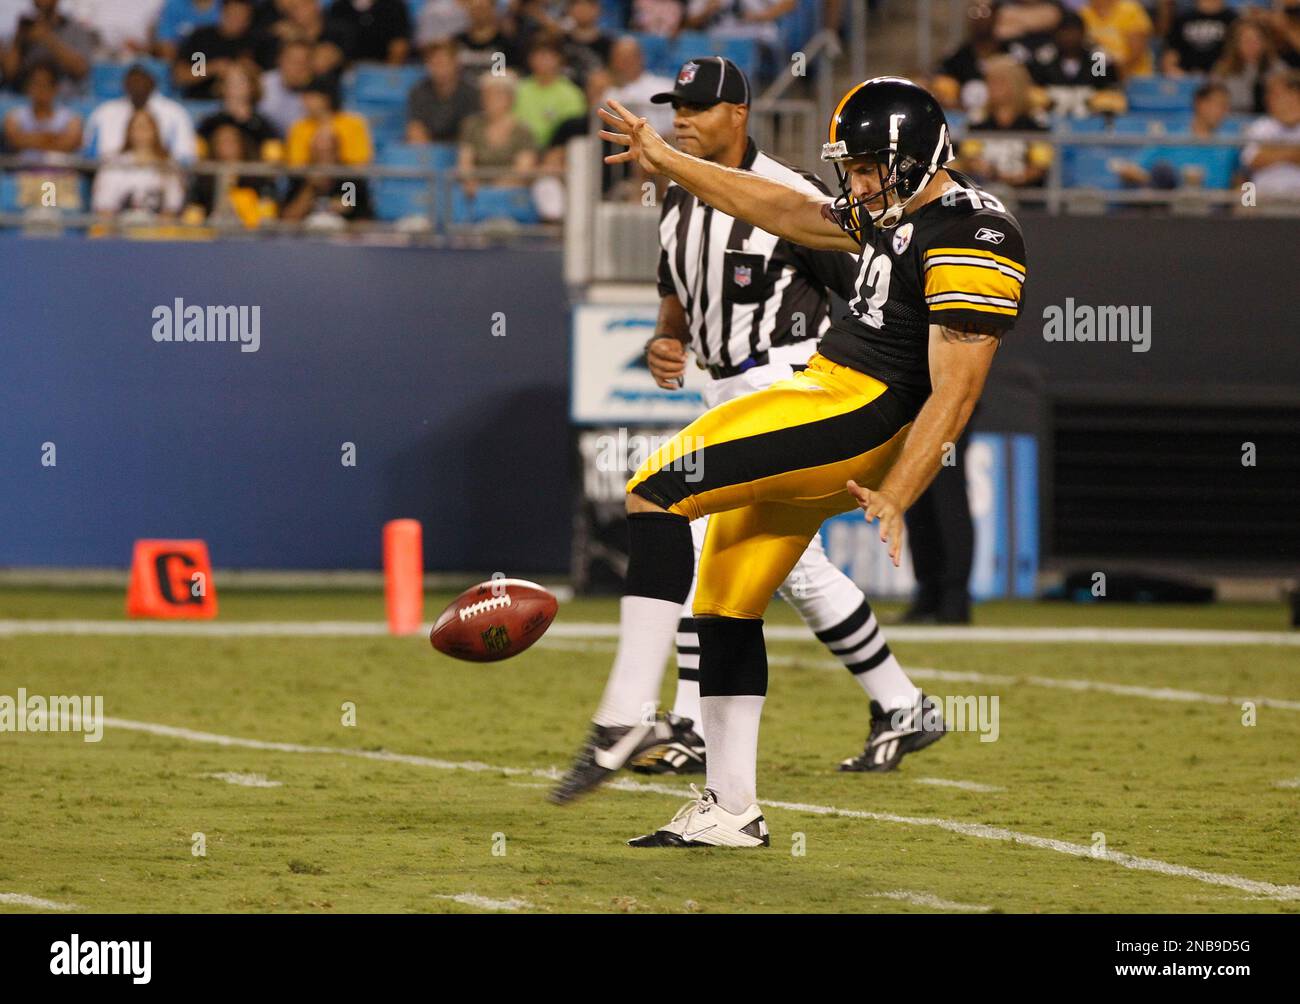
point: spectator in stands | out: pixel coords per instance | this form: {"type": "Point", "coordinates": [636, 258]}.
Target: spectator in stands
{"type": "Point", "coordinates": [485, 44]}
{"type": "Point", "coordinates": [495, 137]}
{"type": "Point", "coordinates": [546, 97]}
{"type": "Point", "coordinates": [179, 20]}
{"type": "Point", "coordinates": [106, 129]}
{"type": "Point", "coordinates": [142, 178]}
{"type": "Point", "coordinates": [1286, 32]}
{"type": "Point", "coordinates": [209, 52]}
{"type": "Point", "coordinates": [222, 194]}
{"type": "Point", "coordinates": [1123, 29]}
{"type": "Point", "coordinates": [332, 40]}
{"type": "Point", "coordinates": [629, 82]}
{"type": "Point", "coordinates": [959, 82]}
{"type": "Point", "coordinates": [381, 29]}
{"type": "Point", "coordinates": [47, 36]}
{"type": "Point", "coordinates": [439, 19]}
{"type": "Point", "coordinates": [44, 134]}
{"type": "Point", "coordinates": [1015, 162]}
{"type": "Point", "coordinates": [240, 95]}
{"type": "Point", "coordinates": [321, 199]}
{"type": "Point", "coordinates": [533, 19]}
{"type": "Point", "coordinates": [586, 45]}
{"type": "Point", "coordinates": [1249, 59]}
{"type": "Point", "coordinates": [750, 19]}
{"type": "Point", "coordinates": [1079, 79]}
{"type": "Point", "coordinates": [1274, 169]}
{"type": "Point", "coordinates": [282, 87]}
{"type": "Point", "coordinates": [1173, 166]}
{"type": "Point", "coordinates": [658, 17]}
{"type": "Point", "coordinates": [123, 28]}
{"type": "Point", "coordinates": [439, 104]}
{"type": "Point", "coordinates": [321, 100]}
{"type": "Point", "coordinates": [1023, 25]}
{"type": "Point", "coordinates": [1197, 39]}
{"type": "Point", "coordinates": [43, 129]}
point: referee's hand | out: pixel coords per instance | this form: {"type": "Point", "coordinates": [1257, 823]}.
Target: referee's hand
{"type": "Point", "coordinates": [667, 360]}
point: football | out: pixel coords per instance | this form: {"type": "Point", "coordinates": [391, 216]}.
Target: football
{"type": "Point", "coordinates": [494, 620]}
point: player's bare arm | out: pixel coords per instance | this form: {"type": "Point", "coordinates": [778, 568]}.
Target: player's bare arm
{"type": "Point", "coordinates": [770, 205]}
{"type": "Point", "coordinates": [960, 357]}
{"type": "Point", "coordinates": [666, 351]}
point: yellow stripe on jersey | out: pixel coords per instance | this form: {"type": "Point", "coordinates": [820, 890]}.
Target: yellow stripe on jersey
{"type": "Point", "coordinates": [975, 279]}
{"type": "Point", "coordinates": [975, 253]}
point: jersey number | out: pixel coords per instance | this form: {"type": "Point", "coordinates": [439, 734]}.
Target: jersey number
{"type": "Point", "coordinates": [875, 272]}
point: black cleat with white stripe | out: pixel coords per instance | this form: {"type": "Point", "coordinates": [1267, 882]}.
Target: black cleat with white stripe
{"type": "Point", "coordinates": [683, 755]}
{"type": "Point", "coordinates": [606, 751]}
{"type": "Point", "coordinates": [894, 734]}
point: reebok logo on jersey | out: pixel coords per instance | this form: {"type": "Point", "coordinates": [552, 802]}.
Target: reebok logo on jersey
{"type": "Point", "coordinates": [992, 236]}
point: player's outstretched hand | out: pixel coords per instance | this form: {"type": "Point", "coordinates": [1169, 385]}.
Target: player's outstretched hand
{"type": "Point", "coordinates": [667, 360]}
{"type": "Point", "coordinates": [644, 146]}
{"type": "Point", "coordinates": [882, 506]}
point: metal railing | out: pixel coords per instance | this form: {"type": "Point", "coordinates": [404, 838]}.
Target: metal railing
{"type": "Point", "coordinates": [433, 224]}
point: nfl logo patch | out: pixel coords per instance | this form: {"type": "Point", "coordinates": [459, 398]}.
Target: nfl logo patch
{"type": "Point", "coordinates": [743, 274]}
{"type": "Point", "coordinates": [902, 238]}
{"type": "Point", "coordinates": [687, 73]}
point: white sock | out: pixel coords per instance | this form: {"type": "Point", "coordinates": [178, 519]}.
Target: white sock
{"type": "Point", "coordinates": [888, 685]}
{"type": "Point", "coordinates": [732, 722]}
{"type": "Point", "coordinates": [645, 634]}
{"type": "Point", "coordinates": [867, 656]}
{"type": "Point", "coordinates": [687, 703]}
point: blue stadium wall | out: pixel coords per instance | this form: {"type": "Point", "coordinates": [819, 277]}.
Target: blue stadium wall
{"type": "Point", "coordinates": [391, 349]}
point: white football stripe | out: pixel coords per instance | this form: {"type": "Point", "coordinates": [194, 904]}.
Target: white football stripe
{"type": "Point", "coordinates": [244, 780]}
{"type": "Point", "coordinates": [35, 902]}
{"type": "Point", "coordinates": [484, 903]}
{"type": "Point", "coordinates": [982, 831]}
{"type": "Point", "coordinates": [928, 900]}
{"type": "Point", "coordinates": [940, 782]}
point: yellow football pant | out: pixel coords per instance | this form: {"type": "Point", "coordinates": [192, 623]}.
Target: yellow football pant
{"type": "Point", "coordinates": [771, 468]}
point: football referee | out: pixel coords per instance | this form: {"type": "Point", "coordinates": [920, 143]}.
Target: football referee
{"type": "Point", "coordinates": [750, 307]}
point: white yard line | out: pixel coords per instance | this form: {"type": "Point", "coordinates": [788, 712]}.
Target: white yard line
{"type": "Point", "coordinates": [940, 782]}
{"type": "Point", "coordinates": [18, 899]}
{"type": "Point", "coordinates": [245, 780]}
{"type": "Point", "coordinates": [594, 630]}
{"type": "Point", "coordinates": [484, 903]}
{"type": "Point", "coordinates": [1291, 782]}
{"type": "Point", "coordinates": [980, 830]}
{"type": "Point", "coordinates": [929, 900]}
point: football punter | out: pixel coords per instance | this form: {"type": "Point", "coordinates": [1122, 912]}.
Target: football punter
{"type": "Point", "coordinates": [750, 307]}
{"type": "Point", "coordinates": [940, 273]}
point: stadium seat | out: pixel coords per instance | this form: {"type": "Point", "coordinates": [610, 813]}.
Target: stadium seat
{"type": "Point", "coordinates": [1154, 123]}
{"type": "Point", "coordinates": [387, 122]}
{"type": "Point", "coordinates": [1088, 124]}
{"type": "Point", "coordinates": [741, 51]}
{"type": "Point", "coordinates": [493, 204]}
{"type": "Point", "coordinates": [435, 156]}
{"type": "Point", "coordinates": [658, 58]}
{"type": "Point", "coordinates": [688, 45]}
{"type": "Point", "coordinates": [1158, 94]}
{"type": "Point", "coordinates": [9, 193]}
{"type": "Point", "coordinates": [399, 198]}
{"type": "Point", "coordinates": [106, 78]}
{"type": "Point", "coordinates": [376, 84]}
{"type": "Point", "coordinates": [1089, 166]}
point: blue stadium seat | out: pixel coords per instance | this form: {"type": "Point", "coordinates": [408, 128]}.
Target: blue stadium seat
{"type": "Point", "coordinates": [1087, 124]}
{"type": "Point", "coordinates": [1158, 94]}
{"type": "Point", "coordinates": [387, 122]}
{"type": "Point", "coordinates": [1089, 166]}
{"type": "Point", "coordinates": [397, 198]}
{"type": "Point", "coordinates": [741, 51]}
{"type": "Point", "coordinates": [437, 156]}
{"type": "Point", "coordinates": [9, 193]}
{"type": "Point", "coordinates": [106, 78]}
{"type": "Point", "coordinates": [377, 84]}
{"type": "Point", "coordinates": [1217, 163]}
{"type": "Point", "coordinates": [688, 45]}
{"type": "Point", "coordinates": [1154, 123]}
{"type": "Point", "coordinates": [493, 204]}
{"type": "Point", "coordinates": [658, 58]}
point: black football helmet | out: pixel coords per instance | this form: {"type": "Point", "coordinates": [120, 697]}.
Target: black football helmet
{"type": "Point", "coordinates": [901, 126]}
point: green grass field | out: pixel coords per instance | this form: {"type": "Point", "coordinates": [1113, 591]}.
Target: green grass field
{"type": "Point", "coordinates": [1194, 807]}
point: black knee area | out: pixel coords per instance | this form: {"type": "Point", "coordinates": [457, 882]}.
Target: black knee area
{"type": "Point", "coordinates": [660, 556]}
{"type": "Point", "coordinates": [733, 658]}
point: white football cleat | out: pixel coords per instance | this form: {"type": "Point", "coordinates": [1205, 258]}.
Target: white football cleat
{"type": "Point", "coordinates": [702, 822]}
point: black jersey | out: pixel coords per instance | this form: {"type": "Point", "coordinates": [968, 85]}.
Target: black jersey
{"type": "Point", "coordinates": [958, 258]}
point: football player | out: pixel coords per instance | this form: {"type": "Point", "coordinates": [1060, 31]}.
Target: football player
{"type": "Point", "coordinates": [941, 266]}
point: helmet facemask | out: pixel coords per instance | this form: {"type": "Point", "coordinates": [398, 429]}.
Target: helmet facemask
{"type": "Point", "coordinates": [903, 177]}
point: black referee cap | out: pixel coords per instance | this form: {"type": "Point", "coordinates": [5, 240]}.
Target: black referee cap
{"type": "Point", "coordinates": [707, 80]}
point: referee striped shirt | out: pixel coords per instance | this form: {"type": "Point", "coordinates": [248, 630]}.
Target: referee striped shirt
{"type": "Point", "coordinates": [745, 290]}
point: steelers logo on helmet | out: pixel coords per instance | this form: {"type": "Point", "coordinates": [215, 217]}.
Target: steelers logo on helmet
{"type": "Point", "coordinates": [897, 127]}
